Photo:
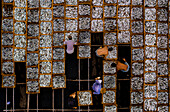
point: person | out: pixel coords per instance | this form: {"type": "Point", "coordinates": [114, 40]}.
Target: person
{"type": "Point", "coordinates": [97, 86]}
{"type": "Point", "coordinates": [70, 43]}
{"type": "Point", "coordinates": [121, 65]}
{"type": "Point", "coordinates": [72, 101]}
{"type": "Point", "coordinates": [101, 52]}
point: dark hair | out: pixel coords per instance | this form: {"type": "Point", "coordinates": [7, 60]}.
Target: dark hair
{"type": "Point", "coordinates": [121, 60]}
{"type": "Point", "coordinates": [70, 37]}
{"type": "Point", "coordinates": [113, 65]}
{"type": "Point", "coordinates": [110, 49]}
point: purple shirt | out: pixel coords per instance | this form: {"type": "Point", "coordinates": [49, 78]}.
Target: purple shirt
{"type": "Point", "coordinates": [70, 44]}
{"type": "Point", "coordinates": [97, 87]}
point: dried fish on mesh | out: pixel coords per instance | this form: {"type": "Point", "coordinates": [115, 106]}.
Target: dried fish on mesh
{"type": "Point", "coordinates": [137, 41]}
{"type": "Point", "coordinates": [45, 80]}
{"type": "Point", "coordinates": [124, 37]}
{"type": "Point", "coordinates": [150, 3]}
{"type": "Point", "coordinates": [84, 0]}
{"type": "Point", "coordinates": [84, 9]}
{"type": "Point", "coordinates": [33, 3]}
{"type": "Point", "coordinates": [109, 82]}
{"type": "Point", "coordinates": [162, 42]}
{"type": "Point", "coordinates": [45, 41]}
{"type": "Point", "coordinates": [97, 2]}
{"type": "Point", "coordinates": [137, 54]}
{"type": "Point", "coordinates": [110, 1]}
{"type": "Point", "coordinates": [19, 54]}
{"type": "Point", "coordinates": [58, 25]}
{"type": "Point", "coordinates": [97, 12]}
{"type": "Point", "coordinates": [7, 39]}
{"type": "Point", "coordinates": [110, 24]}
{"type": "Point", "coordinates": [150, 26]}
{"type": "Point", "coordinates": [137, 27]}
{"type": "Point", "coordinates": [20, 41]}
{"type": "Point", "coordinates": [33, 30]}
{"type": "Point", "coordinates": [163, 109]}
{"type": "Point", "coordinates": [45, 3]}
{"type": "Point", "coordinates": [162, 3]}
{"type": "Point", "coordinates": [7, 24]}
{"type": "Point", "coordinates": [137, 68]}
{"type": "Point", "coordinates": [109, 97]}
{"type": "Point", "coordinates": [46, 15]}
{"type": "Point", "coordinates": [32, 59]}
{"type": "Point", "coordinates": [59, 82]}
{"type": "Point", "coordinates": [162, 69]}
{"type": "Point", "coordinates": [150, 52]}
{"type": "Point", "coordinates": [150, 65]}
{"type": "Point", "coordinates": [162, 28]}
{"type": "Point", "coordinates": [84, 37]}
{"type": "Point", "coordinates": [124, 2]}
{"type": "Point", "coordinates": [32, 73]}
{"type": "Point", "coordinates": [107, 67]}
{"type": "Point", "coordinates": [162, 97]}
{"type": "Point", "coordinates": [7, 1]}
{"type": "Point", "coordinates": [137, 83]}
{"type": "Point", "coordinates": [162, 55]}
{"type": "Point", "coordinates": [110, 11]}
{"type": "Point", "coordinates": [33, 15]}
{"type": "Point", "coordinates": [150, 91]}
{"type": "Point", "coordinates": [58, 53]}
{"type": "Point", "coordinates": [150, 105]}
{"type": "Point", "coordinates": [162, 14]}
{"type": "Point", "coordinates": [97, 25]}
{"type": "Point", "coordinates": [84, 98]}
{"type": "Point", "coordinates": [73, 34]}
{"type": "Point", "coordinates": [20, 28]}
{"type": "Point", "coordinates": [71, 25]}
{"type": "Point", "coordinates": [71, 2]}
{"type": "Point", "coordinates": [112, 54]}
{"type": "Point", "coordinates": [84, 51]}
{"type": "Point", "coordinates": [58, 11]}
{"type": "Point", "coordinates": [45, 54]}
{"type": "Point", "coordinates": [33, 44]}
{"type": "Point", "coordinates": [137, 13]}
{"type": "Point", "coordinates": [137, 2]}
{"type": "Point", "coordinates": [162, 83]}
{"type": "Point", "coordinates": [84, 23]}
{"type": "Point", "coordinates": [136, 109]}
{"type": "Point", "coordinates": [33, 86]}
{"type": "Point", "coordinates": [20, 3]}
{"type": "Point", "coordinates": [58, 1]}
{"type": "Point", "coordinates": [110, 108]}
{"type": "Point", "coordinates": [58, 67]}
{"type": "Point", "coordinates": [110, 38]}
{"type": "Point", "coordinates": [71, 12]}
{"type": "Point", "coordinates": [150, 77]}
{"type": "Point", "coordinates": [8, 67]}
{"type": "Point", "coordinates": [46, 27]}
{"type": "Point", "coordinates": [8, 81]}
{"type": "Point", "coordinates": [20, 14]}
{"type": "Point", "coordinates": [136, 97]}
{"type": "Point", "coordinates": [150, 39]}
{"type": "Point", "coordinates": [45, 67]}
{"type": "Point", "coordinates": [7, 10]}
{"type": "Point", "coordinates": [150, 14]}
{"type": "Point", "coordinates": [58, 39]}
{"type": "Point", "coordinates": [123, 11]}
{"type": "Point", "coordinates": [7, 53]}
{"type": "Point", "coordinates": [124, 24]}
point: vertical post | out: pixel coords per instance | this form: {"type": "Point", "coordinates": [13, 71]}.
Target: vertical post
{"type": "Point", "coordinates": [13, 100]}
{"type": "Point", "coordinates": [6, 99]}
{"type": "Point", "coordinates": [28, 101]}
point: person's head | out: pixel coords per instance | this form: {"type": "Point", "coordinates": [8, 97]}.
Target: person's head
{"type": "Point", "coordinates": [113, 65]}
{"type": "Point", "coordinates": [70, 37]}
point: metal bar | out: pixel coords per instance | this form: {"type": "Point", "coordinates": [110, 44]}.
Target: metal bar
{"type": "Point", "coordinates": [88, 79]}
{"type": "Point", "coordinates": [79, 82]}
{"type": "Point", "coordinates": [53, 100]}
{"type": "Point", "coordinates": [6, 98]}
{"type": "Point", "coordinates": [62, 100]}
{"type": "Point", "coordinates": [37, 102]}
{"type": "Point", "coordinates": [97, 110]}
{"type": "Point", "coordinates": [28, 101]}
{"type": "Point", "coordinates": [13, 99]}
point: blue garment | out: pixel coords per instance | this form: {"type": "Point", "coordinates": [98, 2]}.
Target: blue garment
{"type": "Point", "coordinates": [127, 67]}
{"type": "Point", "coordinates": [97, 87]}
